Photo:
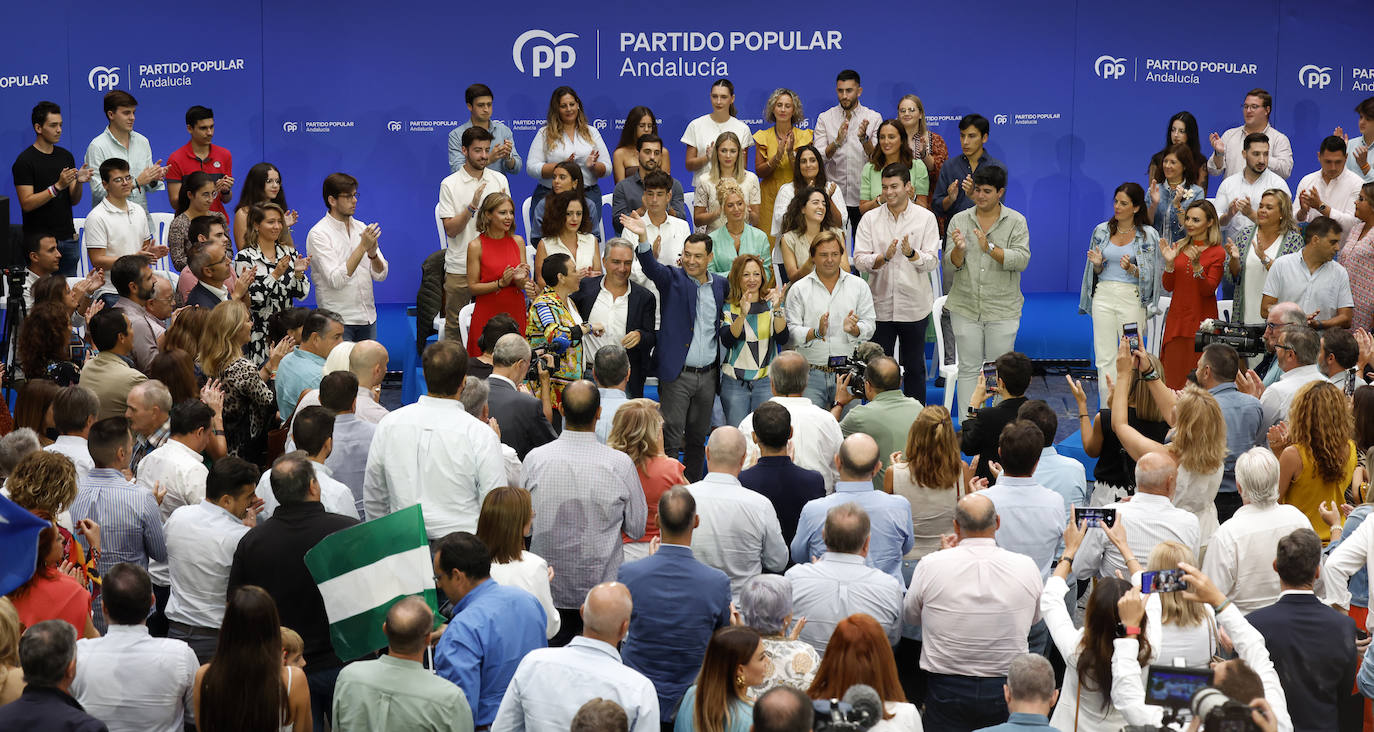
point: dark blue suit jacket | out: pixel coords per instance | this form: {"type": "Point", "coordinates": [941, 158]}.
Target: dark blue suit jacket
{"type": "Point", "coordinates": [47, 708]}
{"type": "Point", "coordinates": [677, 310]}
{"type": "Point", "coordinates": [639, 316]}
{"type": "Point", "coordinates": [787, 486]}
{"type": "Point", "coordinates": [1313, 649]}
{"type": "Point", "coordinates": [679, 603]}
{"type": "Point", "coordinates": [201, 296]}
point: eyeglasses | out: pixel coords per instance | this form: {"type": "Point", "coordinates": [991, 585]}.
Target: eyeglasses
{"type": "Point", "coordinates": [1283, 346]}
{"type": "Point", "coordinates": [1270, 326]}
{"type": "Point", "coordinates": [342, 196]}
{"type": "Point", "coordinates": [123, 179]}
{"type": "Point", "coordinates": [1251, 107]}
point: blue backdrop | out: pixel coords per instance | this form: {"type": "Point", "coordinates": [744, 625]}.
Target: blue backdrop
{"type": "Point", "coordinates": [1079, 93]}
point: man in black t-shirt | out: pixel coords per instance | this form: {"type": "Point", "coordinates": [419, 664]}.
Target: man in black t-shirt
{"type": "Point", "coordinates": [48, 184]}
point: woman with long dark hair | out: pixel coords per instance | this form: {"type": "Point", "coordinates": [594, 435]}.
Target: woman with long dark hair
{"type": "Point", "coordinates": [625, 158]}
{"type": "Point", "coordinates": [567, 230]}
{"type": "Point", "coordinates": [808, 214]}
{"type": "Point", "coordinates": [718, 701]}
{"type": "Point", "coordinates": [1171, 192]}
{"type": "Point", "coordinates": [33, 407]}
{"type": "Point", "coordinates": [893, 147]}
{"type": "Point", "coordinates": [1182, 130]}
{"type": "Point", "coordinates": [502, 526]}
{"type": "Point", "coordinates": [808, 171]}
{"type": "Point", "coordinates": [566, 135]}
{"type": "Point", "coordinates": [197, 195]}
{"type": "Point", "coordinates": [262, 185]}
{"type": "Point", "coordinates": [245, 687]}
{"type": "Point", "coordinates": [566, 177]}
{"type": "Point", "coordinates": [45, 345]}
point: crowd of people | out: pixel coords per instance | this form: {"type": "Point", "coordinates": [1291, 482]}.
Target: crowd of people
{"type": "Point", "coordinates": [778, 526]}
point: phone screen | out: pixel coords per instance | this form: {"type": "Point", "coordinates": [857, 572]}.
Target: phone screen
{"type": "Point", "coordinates": [1132, 333]}
{"type": "Point", "coordinates": [990, 374]}
{"type": "Point", "coordinates": [1095, 516]}
{"type": "Point", "coordinates": [1174, 687]}
{"type": "Point", "coordinates": [1164, 580]}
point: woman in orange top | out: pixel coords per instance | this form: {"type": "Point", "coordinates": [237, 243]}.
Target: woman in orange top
{"type": "Point", "coordinates": [1192, 271]}
{"type": "Point", "coordinates": [637, 431]}
{"type": "Point", "coordinates": [1316, 454]}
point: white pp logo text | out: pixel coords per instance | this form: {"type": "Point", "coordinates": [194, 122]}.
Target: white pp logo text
{"type": "Point", "coordinates": [549, 54]}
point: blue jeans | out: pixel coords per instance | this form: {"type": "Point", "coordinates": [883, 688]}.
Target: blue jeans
{"type": "Point", "coordinates": [820, 389]}
{"type": "Point", "coordinates": [964, 703]}
{"type": "Point", "coordinates": [70, 249]}
{"type": "Point", "coordinates": [358, 333]}
{"type": "Point", "coordinates": [740, 398]}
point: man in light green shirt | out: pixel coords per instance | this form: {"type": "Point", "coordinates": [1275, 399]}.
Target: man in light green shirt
{"type": "Point", "coordinates": [395, 692]}
{"type": "Point", "coordinates": [887, 416]}
{"type": "Point", "coordinates": [119, 140]}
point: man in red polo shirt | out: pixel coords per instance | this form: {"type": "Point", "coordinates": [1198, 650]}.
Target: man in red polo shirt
{"type": "Point", "coordinates": [199, 154]}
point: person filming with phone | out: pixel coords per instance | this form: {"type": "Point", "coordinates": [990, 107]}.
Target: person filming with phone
{"type": "Point", "coordinates": [1150, 518]}
{"type": "Point", "coordinates": [1005, 379]}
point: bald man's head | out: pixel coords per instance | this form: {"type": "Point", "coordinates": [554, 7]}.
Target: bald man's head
{"type": "Point", "coordinates": [725, 450]}
{"type": "Point", "coordinates": [883, 374]}
{"type": "Point", "coordinates": [408, 624]}
{"type": "Point", "coordinates": [1156, 473]}
{"type": "Point", "coordinates": [975, 517]}
{"type": "Point", "coordinates": [368, 362]}
{"type": "Point", "coordinates": [581, 402]}
{"type": "Point", "coordinates": [858, 458]}
{"type": "Point", "coordinates": [606, 612]}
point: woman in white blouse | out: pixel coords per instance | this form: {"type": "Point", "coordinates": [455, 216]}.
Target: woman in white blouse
{"type": "Point", "coordinates": [807, 172]}
{"type": "Point", "coordinates": [502, 526]}
{"type": "Point", "coordinates": [566, 135]}
{"type": "Point", "coordinates": [727, 161]}
{"type": "Point", "coordinates": [567, 230]}
{"type": "Point", "coordinates": [1187, 628]}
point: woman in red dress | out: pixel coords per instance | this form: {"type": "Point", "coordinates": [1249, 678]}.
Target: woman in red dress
{"type": "Point", "coordinates": [1192, 272]}
{"type": "Point", "coordinates": [497, 268]}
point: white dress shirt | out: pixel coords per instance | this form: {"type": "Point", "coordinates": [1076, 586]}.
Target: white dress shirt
{"type": "Point", "coordinates": [119, 231]}
{"type": "Point", "coordinates": [181, 472]}
{"type": "Point", "coordinates": [1280, 153]}
{"type": "Point", "coordinates": [816, 438]}
{"type": "Point", "coordinates": [579, 147]}
{"type": "Point", "coordinates": [336, 497]}
{"type": "Point", "coordinates": [1150, 520]}
{"type": "Point", "coordinates": [329, 243]}
{"type": "Point", "coordinates": [975, 604]}
{"type": "Point", "coordinates": [365, 407]}
{"type": "Point", "coordinates": [702, 133]}
{"type": "Point", "coordinates": [840, 585]}
{"type": "Point", "coordinates": [455, 195]}
{"type": "Point", "coordinates": [134, 682]}
{"type": "Point", "coordinates": [551, 684]}
{"type": "Point", "coordinates": [739, 532]}
{"type": "Point", "coordinates": [1240, 557]}
{"type": "Point", "coordinates": [433, 453]}
{"type": "Point", "coordinates": [1279, 395]}
{"type": "Point", "coordinates": [1339, 194]}
{"type": "Point", "coordinates": [846, 165]}
{"type": "Point", "coordinates": [671, 236]}
{"type": "Point", "coordinates": [201, 539]}
{"type": "Point", "coordinates": [75, 449]}
{"type": "Point", "coordinates": [1236, 187]}
{"type": "Point", "coordinates": [530, 573]}
{"type": "Point", "coordinates": [610, 311]}
{"type": "Point", "coordinates": [808, 299]}
{"type": "Point", "coordinates": [901, 286]}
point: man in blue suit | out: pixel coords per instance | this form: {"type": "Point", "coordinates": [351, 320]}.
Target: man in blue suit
{"type": "Point", "coordinates": [688, 365]}
{"type": "Point", "coordinates": [679, 603]}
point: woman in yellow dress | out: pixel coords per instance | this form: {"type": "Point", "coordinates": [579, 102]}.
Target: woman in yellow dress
{"type": "Point", "coordinates": [773, 147]}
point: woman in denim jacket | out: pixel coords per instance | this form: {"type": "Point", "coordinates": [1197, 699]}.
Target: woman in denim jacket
{"type": "Point", "coordinates": [1121, 277]}
{"type": "Point", "coordinates": [1170, 195]}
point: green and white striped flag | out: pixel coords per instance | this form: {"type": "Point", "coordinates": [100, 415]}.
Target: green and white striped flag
{"type": "Point", "coordinates": [364, 570]}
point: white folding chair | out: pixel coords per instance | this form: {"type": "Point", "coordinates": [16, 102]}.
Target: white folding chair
{"type": "Point", "coordinates": [525, 216]}
{"type": "Point", "coordinates": [689, 199]}
{"type": "Point", "coordinates": [1224, 309]}
{"type": "Point", "coordinates": [606, 217]}
{"type": "Point", "coordinates": [950, 372]}
{"type": "Point", "coordinates": [1154, 329]}
{"type": "Point", "coordinates": [83, 265]}
{"type": "Point", "coordinates": [439, 225]}
{"type": "Point", "coordinates": [464, 321]}
{"type": "Point", "coordinates": [161, 223]}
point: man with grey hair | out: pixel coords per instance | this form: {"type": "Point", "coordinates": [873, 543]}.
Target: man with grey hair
{"type": "Point", "coordinates": [1030, 695]}
{"type": "Point", "coordinates": [612, 374]}
{"type": "Point", "coordinates": [367, 361]}
{"type": "Point", "coordinates": [1281, 314]}
{"type": "Point", "coordinates": [552, 684]}
{"type": "Point", "coordinates": [149, 412]}
{"type": "Point", "coordinates": [474, 398]}
{"type": "Point", "coordinates": [524, 424]}
{"type": "Point", "coordinates": [47, 653]}
{"type": "Point", "coordinates": [975, 603]}
{"type": "Point", "coordinates": [15, 447]}
{"type": "Point", "coordinates": [739, 533]}
{"type": "Point", "coordinates": [1149, 517]}
{"type": "Point", "coordinates": [681, 602]}
{"type": "Point", "coordinates": [1240, 555]}
{"type": "Point", "coordinates": [816, 435]}
{"type": "Point", "coordinates": [627, 309]}
{"type": "Point", "coordinates": [840, 584]}
{"type": "Point", "coordinates": [1296, 355]}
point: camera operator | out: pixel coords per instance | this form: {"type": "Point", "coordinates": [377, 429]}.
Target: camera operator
{"type": "Point", "coordinates": [1284, 313]}
{"type": "Point", "coordinates": [887, 413]}
{"type": "Point", "coordinates": [1296, 355]}
{"type": "Point", "coordinates": [523, 420]}
{"type": "Point", "coordinates": [1249, 679]}
{"type": "Point", "coordinates": [982, 426]}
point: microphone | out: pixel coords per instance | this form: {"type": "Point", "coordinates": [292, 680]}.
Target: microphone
{"type": "Point", "coordinates": [867, 705]}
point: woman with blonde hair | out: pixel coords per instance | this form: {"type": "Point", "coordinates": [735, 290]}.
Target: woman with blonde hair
{"type": "Point", "coordinates": [502, 526]}
{"type": "Point", "coordinates": [926, 146]}
{"type": "Point", "coordinates": [566, 134]}
{"type": "Point", "coordinates": [718, 701]}
{"type": "Point", "coordinates": [736, 236]}
{"type": "Point", "coordinates": [1181, 628]}
{"type": "Point", "coordinates": [637, 431]}
{"type": "Point", "coordinates": [249, 401]}
{"type": "Point", "coordinates": [497, 268]}
{"type": "Point", "coordinates": [727, 163]}
{"type": "Point", "coordinates": [1316, 454]}
{"type": "Point", "coordinates": [1274, 234]}
{"type": "Point", "coordinates": [774, 146]}
{"type": "Point", "coordinates": [1192, 271]}
{"type": "Point", "coordinates": [277, 269]}
{"type": "Point", "coordinates": [752, 329]}
{"type": "Point", "coordinates": [11, 676]}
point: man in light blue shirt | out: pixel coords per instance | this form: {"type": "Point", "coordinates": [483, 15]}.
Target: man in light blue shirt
{"type": "Point", "coordinates": [1030, 695]}
{"type": "Point", "coordinates": [1033, 516]}
{"type": "Point", "coordinates": [118, 140]}
{"type": "Point", "coordinates": [1059, 473]}
{"type": "Point", "coordinates": [611, 368]}
{"type": "Point", "coordinates": [493, 627]}
{"type": "Point", "coordinates": [352, 435]}
{"type": "Point", "coordinates": [1244, 417]}
{"type": "Point", "coordinates": [889, 515]}
{"type": "Point", "coordinates": [302, 369]}
{"type": "Point", "coordinates": [504, 157]}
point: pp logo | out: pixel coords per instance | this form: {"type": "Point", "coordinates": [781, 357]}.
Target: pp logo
{"type": "Point", "coordinates": [394, 126]}
{"type": "Point", "coordinates": [546, 55]}
{"type": "Point", "coordinates": [289, 127]}
{"type": "Point", "coordinates": [1109, 67]}
{"type": "Point", "coordinates": [804, 124]}
{"type": "Point", "coordinates": [102, 78]}
{"type": "Point", "coordinates": [1313, 76]}
{"type": "Point", "coordinates": [1000, 119]}
{"type": "Point", "coordinates": [599, 124]}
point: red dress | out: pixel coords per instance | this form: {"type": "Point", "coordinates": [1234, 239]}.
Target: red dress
{"type": "Point", "coordinates": [1194, 300]}
{"type": "Point", "coordinates": [497, 254]}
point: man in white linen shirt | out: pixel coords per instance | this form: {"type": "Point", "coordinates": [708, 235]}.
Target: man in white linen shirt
{"type": "Point", "coordinates": [201, 539]}
{"type": "Point", "coordinates": [434, 453]}
{"type": "Point", "coordinates": [739, 532]}
{"type": "Point", "coordinates": [346, 259]}
{"type": "Point", "coordinates": [829, 313]}
{"type": "Point", "coordinates": [1332, 186]}
{"type": "Point", "coordinates": [460, 197]}
{"type": "Point", "coordinates": [1240, 192]}
{"type": "Point", "coordinates": [1240, 555]}
{"type": "Point", "coordinates": [898, 245]}
{"type": "Point", "coordinates": [840, 584]}
{"type": "Point", "coordinates": [975, 604]}
{"type": "Point", "coordinates": [1150, 517]}
{"type": "Point", "coordinates": [845, 135]}
{"type": "Point", "coordinates": [165, 668]}
{"type": "Point", "coordinates": [551, 684]}
{"type": "Point", "coordinates": [1296, 354]}
{"type": "Point", "coordinates": [313, 432]}
{"type": "Point", "coordinates": [74, 410]}
{"type": "Point", "coordinates": [816, 436]}
{"type": "Point", "coordinates": [1227, 159]}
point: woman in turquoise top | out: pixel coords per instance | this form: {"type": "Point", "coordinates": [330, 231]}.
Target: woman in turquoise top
{"type": "Point", "coordinates": [734, 661]}
{"type": "Point", "coordinates": [1120, 279]}
{"type": "Point", "coordinates": [736, 237]}
{"type": "Point", "coordinates": [1170, 196]}
{"type": "Point", "coordinates": [892, 147]}
{"type": "Point", "coordinates": [751, 330]}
